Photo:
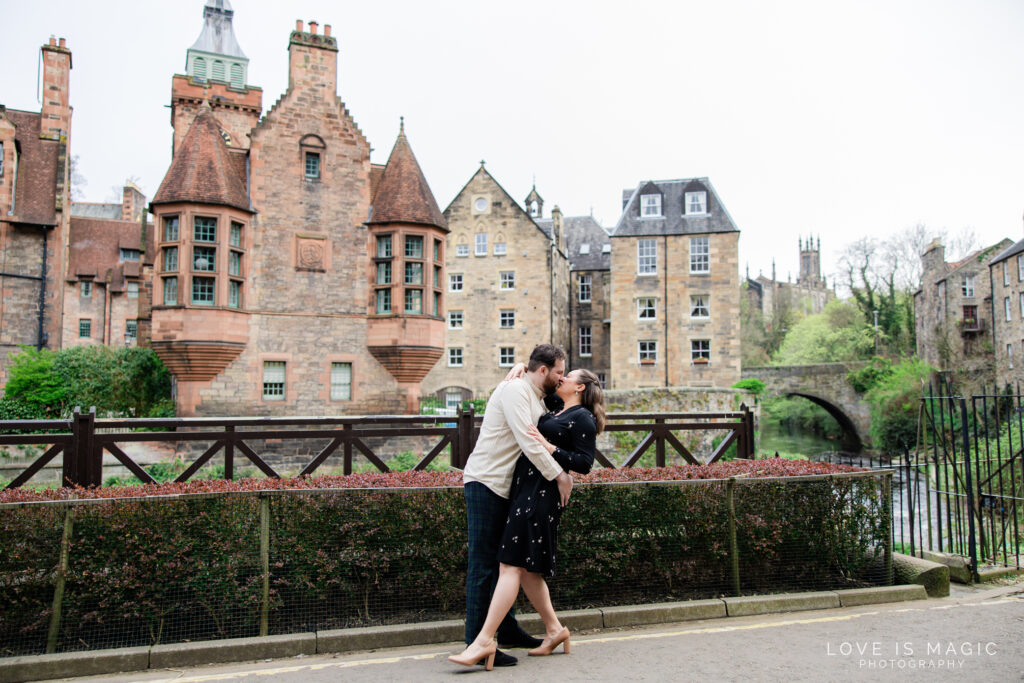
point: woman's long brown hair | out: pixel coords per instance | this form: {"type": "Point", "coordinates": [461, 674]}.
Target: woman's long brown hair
{"type": "Point", "coordinates": [592, 397]}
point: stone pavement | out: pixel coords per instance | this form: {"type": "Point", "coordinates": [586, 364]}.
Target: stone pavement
{"type": "Point", "coordinates": [975, 635]}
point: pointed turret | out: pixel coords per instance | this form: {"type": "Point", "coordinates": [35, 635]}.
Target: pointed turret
{"type": "Point", "coordinates": [535, 203]}
{"type": "Point", "coordinates": [403, 195]}
{"type": "Point", "coordinates": [407, 241]}
{"type": "Point", "coordinates": [205, 171]}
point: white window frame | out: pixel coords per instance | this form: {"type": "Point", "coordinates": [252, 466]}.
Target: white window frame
{"type": "Point", "coordinates": [1022, 305]}
{"type": "Point", "coordinates": [1006, 275]}
{"type": "Point", "coordinates": [698, 199]}
{"type": "Point", "coordinates": [507, 319]}
{"type": "Point", "coordinates": [507, 280]}
{"type": "Point", "coordinates": [456, 320]}
{"type": "Point", "coordinates": [131, 329]}
{"type": "Point", "coordinates": [584, 281]}
{"type": "Point", "coordinates": [452, 405]}
{"type": "Point", "coordinates": [968, 286]}
{"type": "Point", "coordinates": [1020, 267]}
{"type": "Point", "coordinates": [585, 248]}
{"type": "Point", "coordinates": [1006, 306]}
{"type": "Point", "coordinates": [272, 369]}
{"type": "Point", "coordinates": [700, 349]}
{"type": "Point", "coordinates": [647, 304]}
{"type": "Point", "coordinates": [455, 357]}
{"type": "Point", "coordinates": [500, 248]}
{"type": "Point", "coordinates": [85, 325]}
{"type": "Point", "coordinates": [131, 290]}
{"type": "Point", "coordinates": [341, 381]}
{"type": "Point", "coordinates": [700, 254]}
{"type": "Point", "coordinates": [585, 339]}
{"type": "Point", "coordinates": [455, 282]}
{"type": "Point", "coordinates": [86, 289]}
{"type": "Point", "coordinates": [700, 302]}
{"type": "Point", "coordinates": [650, 206]}
{"type": "Point", "coordinates": [480, 244]}
{"type": "Point", "coordinates": [1009, 355]}
{"type": "Point", "coordinates": [647, 351]}
{"type": "Point", "coordinates": [647, 257]}
{"type": "Point", "coordinates": [506, 356]}
{"type": "Point", "coordinates": [461, 250]}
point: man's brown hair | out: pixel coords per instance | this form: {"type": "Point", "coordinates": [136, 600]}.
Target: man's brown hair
{"type": "Point", "coordinates": [545, 354]}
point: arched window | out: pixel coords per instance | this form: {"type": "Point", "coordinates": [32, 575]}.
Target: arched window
{"type": "Point", "coordinates": [313, 155]}
{"type": "Point", "coordinates": [199, 69]}
{"type": "Point", "coordinates": [237, 80]}
{"type": "Point", "coordinates": [218, 70]}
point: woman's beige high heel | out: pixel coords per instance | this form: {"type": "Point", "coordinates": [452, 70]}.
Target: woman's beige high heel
{"type": "Point", "coordinates": [472, 655]}
{"type": "Point", "coordinates": [550, 643]}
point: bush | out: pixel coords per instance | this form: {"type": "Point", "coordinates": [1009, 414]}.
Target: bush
{"type": "Point", "coordinates": [184, 563]}
{"type": "Point", "coordinates": [32, 382]}
{"type": "Point", "coordinates": [895, 405]}
{"type": "Point", "coordinates": [866, 378]}
{"type": "Point", "coordinates": [754, 386]}
{"type": "Point", "coordinates": [18, 409]}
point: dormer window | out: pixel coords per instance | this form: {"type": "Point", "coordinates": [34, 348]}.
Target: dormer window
{"type": "Point", "coordinates": [650, 205]}
{"type": "Point", "coordinates": [606, 248]}
{"type": "Point", "coordinates": [130, 254]}
{"type": "Point", "coordinates": [584, 248]}
{"type": "Point", "coordinates": [696, 202]}
{"type": "Point", "coordinates": [312, 165]}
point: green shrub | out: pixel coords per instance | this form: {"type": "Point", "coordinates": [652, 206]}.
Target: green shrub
{"type": "Point", "coordinates": [895, 404]}
{"type": "Point", "coordinates": [18, 409]}
{"type": "Point", "coordinates": [866, 378]}
{"type": "Point", "coordinates": [754, 386]}
{"type": "Point", "coordinates": [31, 380]}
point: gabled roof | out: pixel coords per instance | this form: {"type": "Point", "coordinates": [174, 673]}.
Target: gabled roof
{"type": "Point", "coordinates": [580, 231]}
{"type": "Point", "coordinates": [204, 169]}
{"type": "Point", "coordinates": [94, 248]}
{"type": "Point", "coordinates": [36, 196]}
{"type": "Point", "coordinates": [402, 193]}
{"type": "Point", "coordinates": [538, 223]}
{"type": "Point", "coordinates": [673, 220]}
{"type": "Point", "coordinates": [1007, 253]}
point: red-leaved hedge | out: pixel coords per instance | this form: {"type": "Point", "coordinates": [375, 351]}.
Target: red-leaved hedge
{"type": "Point", "coordinates": [390, 548]}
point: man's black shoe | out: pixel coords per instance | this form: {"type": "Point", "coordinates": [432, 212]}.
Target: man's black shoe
{"type": "Point", "coordinates": [501, 659]}
{"type": "Point", "coordinates": [519, 639]}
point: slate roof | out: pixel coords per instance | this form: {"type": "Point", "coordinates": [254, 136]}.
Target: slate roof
{"type": "Point", "coordinates": [1009, 252]}
{"type": "Point", "coordinates": [94, 249]}
{"type": "Point", "coordinates": [204, 169]}
{"type": "Point", "coordinates": [673, 221]}
{"type": "Point", "coordinates": [403, 195]}
{"type": "Point", "coordinates": [96, 210]}
{"type": "Point", "coordinates": [580, 230]}
{"type": "Point", "coordinates": [36, 196]}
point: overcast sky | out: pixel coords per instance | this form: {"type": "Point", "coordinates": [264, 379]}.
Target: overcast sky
{"type": "Point", "coordinates": [838, 119]}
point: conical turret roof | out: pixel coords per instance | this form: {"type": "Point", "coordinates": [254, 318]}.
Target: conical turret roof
{"type": "Point", "coordinates": [403, 195]}
{"type": "Point", "coordinates": [205, 170]}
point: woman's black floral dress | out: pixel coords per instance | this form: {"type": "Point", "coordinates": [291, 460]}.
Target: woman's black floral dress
{"type": "Point", "coordinates": [531, 533]}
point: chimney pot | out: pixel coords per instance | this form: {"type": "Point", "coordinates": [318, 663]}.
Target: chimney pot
{"type": "Point", "coordinates": [62, 43]}
{"type": "Point", "coordinates": [327, 29]}
{"type": "Point", "coordinates": [298, 25]}
{"type": "Point", "coordinates": [53, 41]}
{"type": "Point", "coordinates": [312, 27]}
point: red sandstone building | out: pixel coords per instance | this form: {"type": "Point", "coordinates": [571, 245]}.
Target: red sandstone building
{"type": "Point", "coordinates": [291, 275]}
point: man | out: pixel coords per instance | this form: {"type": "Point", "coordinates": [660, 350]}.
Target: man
{"type": "Point", "coordinates": [513, 406]}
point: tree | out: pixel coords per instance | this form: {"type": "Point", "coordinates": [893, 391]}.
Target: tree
{"type": "Point", "coordinates": [31, 381]}
{"type": "Point", "coordinates": [835, 335]}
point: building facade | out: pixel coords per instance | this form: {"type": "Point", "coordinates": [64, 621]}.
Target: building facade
{"type": "Point", "coordinates": [675, 308]}
{"type": "Point", "coordinates": [35, 215]}
{"type": "Point", "coordinates": [953, 310]}
{"type": "Point", "coordinates": [808, 295]}
{"type": "Point", "coordinates": [1006, 274]}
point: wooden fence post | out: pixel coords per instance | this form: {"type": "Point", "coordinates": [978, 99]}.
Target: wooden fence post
{"type": "Point", "coordinates": [229, 452]}
{"type": "Point", "coordinates": [659, 443]}
{"type": "Point", "coordinates": [734, 549]}
{"type": "Point", "coordinates": [61, 579]}
{"type": "Point", "coordinates": [265, 564]}
{"type": "Point", "coordinates": [80, 468]}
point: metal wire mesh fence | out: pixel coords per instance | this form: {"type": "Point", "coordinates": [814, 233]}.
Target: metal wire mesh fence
{"type": "Point", "coordinates": [102, 573]}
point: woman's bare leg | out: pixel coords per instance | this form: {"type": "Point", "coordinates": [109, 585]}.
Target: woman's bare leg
{"type": "Point", "coordinates": [536, 589]}
{"type": "Point", "coordinates": [505, 593]}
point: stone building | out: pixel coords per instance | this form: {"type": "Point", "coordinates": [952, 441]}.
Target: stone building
{"type": "Point", "coordinates": [35, 213]}
{"type": "Point", "coordinates": [952, 310]}
{"type": "Point", "coordinates": [507, 288]}
{"type": "Point", "coordinates": [291, 276]}
{"type": "Point", "coordinates": [807, 296]}
{"type": "Point", "coordinates": [590, 254]}
{"type": "Point", "coordinates": [675, 308]}
{"type": "Point", "coordinates": [1006, 273]}
{"type": "Point", "coordinates": [108, 284]}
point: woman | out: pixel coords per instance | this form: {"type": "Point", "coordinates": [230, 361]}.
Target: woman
{"type": "Point", "coordinates": [528, 548]}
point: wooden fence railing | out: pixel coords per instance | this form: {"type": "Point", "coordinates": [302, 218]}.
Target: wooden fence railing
{"type": "Point", "coordinates": [83, 439]}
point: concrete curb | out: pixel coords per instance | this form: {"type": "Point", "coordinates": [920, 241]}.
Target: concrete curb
{"type": "Point", "coordinates": [98, 662]}
{"type": "Point", "coordinates": [995, 573]}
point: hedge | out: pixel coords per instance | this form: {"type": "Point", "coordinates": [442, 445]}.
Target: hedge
{"type": "Point", "coordinates": [183, 561]}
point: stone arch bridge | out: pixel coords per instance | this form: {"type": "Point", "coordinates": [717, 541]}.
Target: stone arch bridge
{"type": "Point", "coordinates": [824, 384]}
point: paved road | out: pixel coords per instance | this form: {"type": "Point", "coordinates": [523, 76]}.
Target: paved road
{"type": "Point", "coordinates": [972, 637]}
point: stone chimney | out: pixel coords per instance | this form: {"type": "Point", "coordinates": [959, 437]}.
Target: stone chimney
{"type": "Point", "coordinates": [56, 111]}
{"type": "Point", "coordinates": [133, 202]}
{"type": "Point", "coordinates": [934, 256]}
{"type": "Point", "coordinates": [557, 234]}
{"type": "Point", "coordinates": [313, 60]}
